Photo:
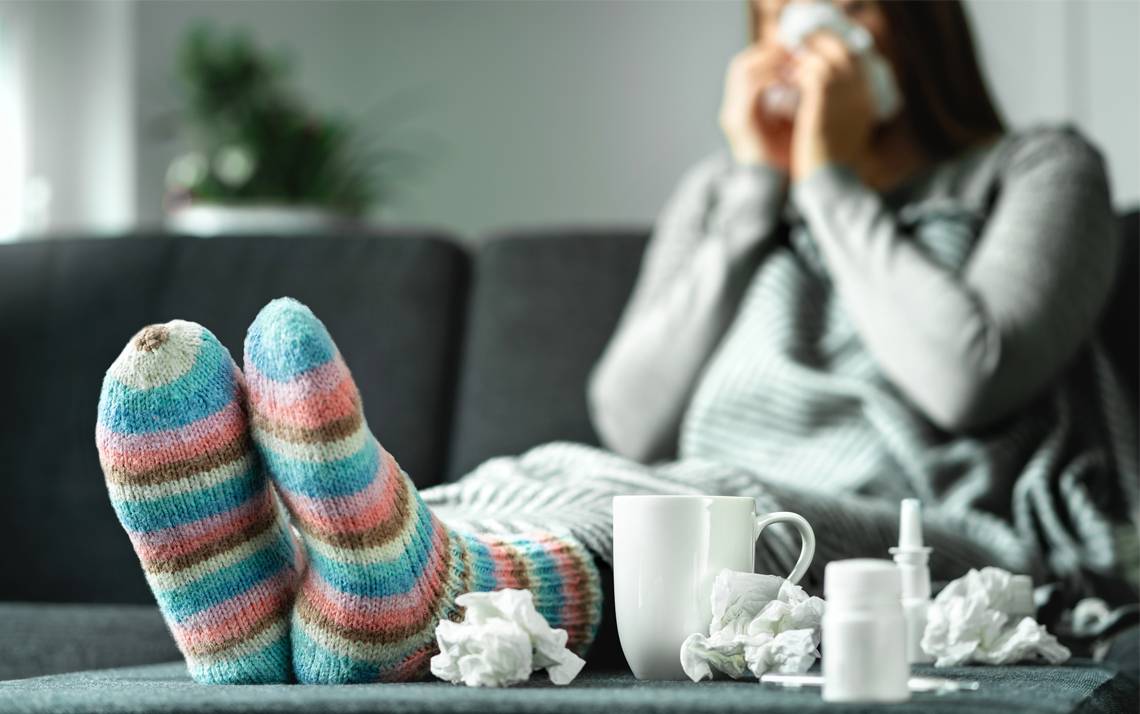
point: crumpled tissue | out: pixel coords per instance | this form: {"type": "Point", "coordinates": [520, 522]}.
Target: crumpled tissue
{"type": "Point", "coordinates": [760, 623]}
{"type": "Point", "coordinates": [970, 621]}
{"type": "Point", "coordinates": [501, 640]}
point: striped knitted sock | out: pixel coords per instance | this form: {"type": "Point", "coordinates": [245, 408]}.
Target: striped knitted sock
{"type": "Point", "coordinates": [383, 569]}
{"type": "Point", "coordinates": [189, 488]}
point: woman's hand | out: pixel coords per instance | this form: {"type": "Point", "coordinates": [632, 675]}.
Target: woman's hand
{"type": "Point", "coordinates": [835, 114]}
{"type": "Point", "coordinates": [753, 136]}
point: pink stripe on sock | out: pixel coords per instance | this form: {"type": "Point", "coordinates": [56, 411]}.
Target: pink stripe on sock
{"type": "Point", "coordinates": [319, 408]}
{"type": "Point", "coordinates": [138, 452]}
{"type": "Point", "coordinates": [188, 537]}
{"type": "Point", "coordinates": [324, 378]}
{"type": "Point", "coordinates": [504, 565]}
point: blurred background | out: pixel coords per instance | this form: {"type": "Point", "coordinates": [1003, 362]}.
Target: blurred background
{"type": "Point", "coordinates": [474, 115]}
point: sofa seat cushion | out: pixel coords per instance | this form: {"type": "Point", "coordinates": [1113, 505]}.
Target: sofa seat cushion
{"type": "Point", "coordinates": [165, 688]}
{"type": "Point", "coordinates": [37, 639]}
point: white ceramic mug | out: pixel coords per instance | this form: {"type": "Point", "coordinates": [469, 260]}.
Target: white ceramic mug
{"type": "Point", "coordinates": [667, 552]}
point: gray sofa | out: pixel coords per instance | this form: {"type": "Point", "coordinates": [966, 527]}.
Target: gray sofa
{"type": "Point", "coordinates": [460, 355]}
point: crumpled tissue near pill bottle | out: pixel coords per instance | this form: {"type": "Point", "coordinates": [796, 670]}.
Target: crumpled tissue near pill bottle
{"type": "Point", "coordinates": [501, 641]}
{"type": "Point", "coordinates": [760, 623]}
{"type": "Point", "coordinates": [979, 619]}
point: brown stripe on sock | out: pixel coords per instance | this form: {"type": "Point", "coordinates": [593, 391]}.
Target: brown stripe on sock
{"type": "Point", "coordinates": [329, 431]}
{"type": "Point", "coordinates": [378, 535]}
{"type": "Point", "coordinates": [436, 600]}
{"type": "Point", "coordinates": [518, 566]}
{"type": "Point", "coordinates": [266, 521]}
{"type": "Point", "coordinates": [580, 630]}
{"type": "Point", "coordinates": [468, 566]}
{"type": "Point", "coordinates": [224, 454]}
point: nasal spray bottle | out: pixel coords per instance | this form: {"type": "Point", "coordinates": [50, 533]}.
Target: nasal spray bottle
{"type": "Point", "coordinates": [912, 558]}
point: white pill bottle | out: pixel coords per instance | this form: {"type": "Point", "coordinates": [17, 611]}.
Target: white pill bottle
{"type": "Point", "coordinates": [864, 633]}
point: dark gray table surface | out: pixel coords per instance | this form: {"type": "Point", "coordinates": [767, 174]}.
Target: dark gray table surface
{"type": "Point", "coordinates": [1081, 686]}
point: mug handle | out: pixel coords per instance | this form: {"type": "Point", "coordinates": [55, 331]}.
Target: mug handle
{"type": "Point", "coordinates": [807, 537]}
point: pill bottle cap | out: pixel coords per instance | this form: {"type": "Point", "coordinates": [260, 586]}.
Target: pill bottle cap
{"type": "Point", "coordinates": [861, 582]}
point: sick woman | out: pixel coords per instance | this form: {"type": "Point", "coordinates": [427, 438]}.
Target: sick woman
{"type": "Point", "coordinates": [874, 292]}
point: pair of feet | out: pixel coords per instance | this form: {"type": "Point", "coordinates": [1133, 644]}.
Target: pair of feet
{"type": "Point", "coordinates": [198, 458]}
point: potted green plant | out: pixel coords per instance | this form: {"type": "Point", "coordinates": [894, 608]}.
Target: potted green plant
{"type": "Point", "coordinates": [262, 160]}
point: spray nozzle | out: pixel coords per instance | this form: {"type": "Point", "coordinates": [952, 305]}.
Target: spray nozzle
{"type": "Point", "coordinates": [910, 526]}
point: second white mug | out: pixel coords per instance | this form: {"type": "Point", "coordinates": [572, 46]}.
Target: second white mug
{"type": "Point", "coordinates": [667, 552]}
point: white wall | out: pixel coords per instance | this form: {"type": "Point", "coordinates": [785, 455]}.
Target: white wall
{"type": "Point", "coordinates": [69, 78]}
{"type": "Point", "coordinates": [1075, 61]}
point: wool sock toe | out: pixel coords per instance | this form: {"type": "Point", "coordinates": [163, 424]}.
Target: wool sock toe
{"type": "Point", "coordinates": [383, 569]}
{"type": "Point", "coordinates": [190, 490]}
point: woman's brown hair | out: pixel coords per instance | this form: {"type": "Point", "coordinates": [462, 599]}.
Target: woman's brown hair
{"type": "Point", "coordinates": [947, 101]}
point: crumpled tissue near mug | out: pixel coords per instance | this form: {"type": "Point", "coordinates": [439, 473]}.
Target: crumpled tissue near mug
{"type": "Point", "coordinates": [973, 620]}
{"type": "Point", "coordinates": [501, 641]}
{"type": "Point", "coordinates": [760, 623]}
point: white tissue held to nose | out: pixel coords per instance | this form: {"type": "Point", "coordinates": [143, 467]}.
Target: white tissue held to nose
{"type": "Point", "coordinates": [501, 641]}
{"type": "Point", "coordinates": [760, 623]}
{"type": "Point", "coordinates": [798, 20]}
{"type": "Point", "coordinates": [985, 617]}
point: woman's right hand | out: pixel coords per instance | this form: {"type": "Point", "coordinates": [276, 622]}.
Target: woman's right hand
{"type": "Point", "coordinates": [755, 137]}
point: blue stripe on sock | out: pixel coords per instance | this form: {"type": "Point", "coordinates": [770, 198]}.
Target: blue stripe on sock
{"type": "Point", "coordinates": [274, 660]}
{"type": "Point", "coordinates": [315, 664]}
{"type": "Point", "coordinates": [325, 479]}
{"type": "Point", "coordinates": [286, 339]}
{"type": "Point", "coordinates": [182, 508]}
{"type": "Point", "coordinates": [203, 391]}
{"type": "Point", "coordinates": [547, 591]}
{"type": "Point", "coordinates": [482, 564]}
{"type": "Point", "coordinates": [223, 584]}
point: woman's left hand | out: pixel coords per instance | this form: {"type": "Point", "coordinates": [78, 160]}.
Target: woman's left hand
{"type": "Point", "coordinates": [835, 115]}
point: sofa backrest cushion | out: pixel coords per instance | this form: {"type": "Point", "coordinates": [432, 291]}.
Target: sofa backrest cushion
{"type": "Point", "coordinates": [393, 303]}
{"type": "Point", "coordinates": [542, 307]}
{"type": "Point", "coordinates": [1120, 327]}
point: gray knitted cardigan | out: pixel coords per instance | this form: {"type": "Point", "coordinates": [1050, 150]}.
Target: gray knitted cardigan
{"type": "Point", "coordinates": [936, 341]}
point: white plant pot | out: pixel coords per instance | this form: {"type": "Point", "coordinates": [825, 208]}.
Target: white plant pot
{"type": "Point", "coordinates": [210, 220]}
